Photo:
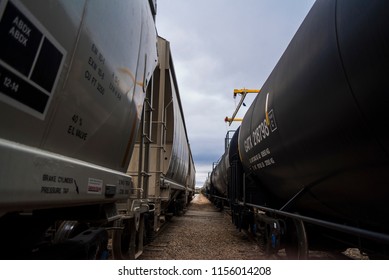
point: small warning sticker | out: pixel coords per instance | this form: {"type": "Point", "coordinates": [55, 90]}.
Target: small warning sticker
{"type": "Point", "coordinates": [30, 60]}
{"type": "Point", "coordinates": [95, 186]}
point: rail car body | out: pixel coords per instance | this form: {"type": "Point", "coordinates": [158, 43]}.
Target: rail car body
{"type": "Point", "coordinates": [162, 165]}
{"type": "Point", "coordinates": [72, 95]}
{"type": "Point", "coordinates": [314, 143]}
{"type": "Point", "coordinates": [219, 175]}
{"type": "Point", "coordinates": [74, 76]}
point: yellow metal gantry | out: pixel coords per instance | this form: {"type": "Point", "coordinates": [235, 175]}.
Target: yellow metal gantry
{"type": "Point", "coordinates": [243, 92]}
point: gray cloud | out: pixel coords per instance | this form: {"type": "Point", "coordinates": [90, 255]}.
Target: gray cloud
{"type": "Point", "coordinates": [217, 46]}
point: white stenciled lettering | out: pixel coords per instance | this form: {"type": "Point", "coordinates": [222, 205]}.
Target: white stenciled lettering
{"type": "Point", "coordinates": [260, 133]}
{"type": "Point", "coordinates": [22, 26]}
{"type": "Point", "coordinates": [248, 145]}
{"type": "Point", "coordinates": [20, 31]}
{"type": "Point", "coordinates": [265, 152]}
{"type": "Point", "coordinates": [9, 83]}
{"type": "Point", "coordinates": [257, 157]}
{"type": "Point", "coordinates": [18, 36]}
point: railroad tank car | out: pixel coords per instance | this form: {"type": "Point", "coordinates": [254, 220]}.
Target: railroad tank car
{"type": "Point", "coordinates": [313, 146]}
{"type": "Point", "coordinates": [205, 190]}
{"type": "Point", "coordinates": [71, 103]}
{"type": "Point", "coordinates": [219, 178]}
{"type": "Point", "coordinates": [162, 166]}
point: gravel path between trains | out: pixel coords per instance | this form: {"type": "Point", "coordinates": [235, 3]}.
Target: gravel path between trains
{"type": "Point", "coordinates": [204, 233]}
{"type": "Point", "coordinates": [201, 233]}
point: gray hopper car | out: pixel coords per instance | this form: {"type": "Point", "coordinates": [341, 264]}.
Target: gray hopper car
{"type": "Point", "coordinates": [74, 77]}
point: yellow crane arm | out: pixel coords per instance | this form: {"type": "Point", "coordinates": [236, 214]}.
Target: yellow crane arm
{"type": "Point", "coordinates": [243, 92]}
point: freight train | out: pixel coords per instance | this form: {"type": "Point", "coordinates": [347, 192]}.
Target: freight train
{"type": "Point", "coordinates": [93, 142]}
{"type": "Point", "coordinates": [308, 169]}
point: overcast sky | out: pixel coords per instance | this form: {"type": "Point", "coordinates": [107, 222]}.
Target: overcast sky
{"type": "Point", "coordinates": [219, 45]}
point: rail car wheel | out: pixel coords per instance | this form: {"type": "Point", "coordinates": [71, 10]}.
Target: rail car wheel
{"type": "Point", "coordinates": [77, 240]}
{"type": "Point", "coordinates": [297, 242]}
{"type": "Point", "coordinates": [69, 229]}
{"type": "Point", "coordinates": [98, 249]}
{"type": "Point", "coordinates": [128, 242]}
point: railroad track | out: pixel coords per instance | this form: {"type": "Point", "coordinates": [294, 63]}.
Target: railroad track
{"type": "Point", "coordinates": [204, 232]}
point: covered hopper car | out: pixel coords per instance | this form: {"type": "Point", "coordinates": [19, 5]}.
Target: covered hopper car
{"type": "Point", "coordinates": [76, 81]}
